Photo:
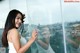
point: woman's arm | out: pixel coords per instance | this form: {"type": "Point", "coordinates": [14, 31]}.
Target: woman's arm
{"type": "Point", "coordinates": [43, 44]}
{"type": "Point", "coordinates": [16, 41]}
{"type": "Point", "coordinates": [76, 45]}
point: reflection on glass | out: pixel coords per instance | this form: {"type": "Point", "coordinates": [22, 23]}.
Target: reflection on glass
{"type": "Point", "coordinates": [71, 17]}
{"type": "Point", "coordinates": [50, 38]}
{"type": "Point", "coordinates": [73, 37]}
{"type": "Point", "coordinates": [43, 44]}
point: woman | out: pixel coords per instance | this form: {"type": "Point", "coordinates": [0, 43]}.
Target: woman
{"type": "Point", "coordinates": [11, 36]}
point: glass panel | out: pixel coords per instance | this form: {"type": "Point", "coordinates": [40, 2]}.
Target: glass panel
{"type": "Point", "coordinates": [72, 26]}
{"type": "Point", "coordinates": [46, 18]}
{"type": "Point", "coordinates": [18, 4]}
{"type": "Point", "coordinates": [4, 9]}
{"type": "Point", "coordinates": [3, 5]}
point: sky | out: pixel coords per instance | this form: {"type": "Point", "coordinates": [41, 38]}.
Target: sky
{"type": "Point", "coordinates": [71, 11]}
{"type": "Point", "coordinates": [41, 11]}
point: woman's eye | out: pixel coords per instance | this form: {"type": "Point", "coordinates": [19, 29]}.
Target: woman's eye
{"type": "Point", "coordinates": [17, 18]}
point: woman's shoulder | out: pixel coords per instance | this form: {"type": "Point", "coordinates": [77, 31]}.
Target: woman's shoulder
{"type": "Point", "coordinates": [13, 31]}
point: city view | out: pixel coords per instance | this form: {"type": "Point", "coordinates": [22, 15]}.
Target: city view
{"type": "Point", "coordinates": [56, 34]}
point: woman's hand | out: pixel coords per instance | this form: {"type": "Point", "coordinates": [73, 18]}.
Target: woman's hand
{"type": "Point", "coordinates": [34, 34]}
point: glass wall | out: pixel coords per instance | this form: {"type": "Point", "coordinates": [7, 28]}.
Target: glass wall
{"type": "Point", "coordinates": [72, 26]}
{"type": "Point", "coordinates": [44, 16]}
{"type": "Point", "coordinates": [56, 21]}
{"type": "Point", "coordinates": [4, 9]}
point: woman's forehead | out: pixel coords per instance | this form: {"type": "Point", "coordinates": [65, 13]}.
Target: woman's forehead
{"type": "Point", "coordinates": [19, 15]}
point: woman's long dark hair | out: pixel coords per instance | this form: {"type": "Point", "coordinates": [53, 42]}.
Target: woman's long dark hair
{"type": "Point", "coordinates": [10, 23]}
